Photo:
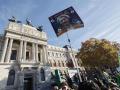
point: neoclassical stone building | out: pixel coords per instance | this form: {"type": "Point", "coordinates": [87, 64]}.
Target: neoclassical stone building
{"type": "Point", "coordinates": [27, 60]}
{"type": "Point", "coordinates": [61, 58]}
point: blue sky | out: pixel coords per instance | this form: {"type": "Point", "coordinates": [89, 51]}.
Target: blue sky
{"type": "Point", "coordinates": [101, 18]}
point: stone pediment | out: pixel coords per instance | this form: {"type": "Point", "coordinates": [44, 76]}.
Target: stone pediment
{"type": "Point", "coordinates": [26, 30]}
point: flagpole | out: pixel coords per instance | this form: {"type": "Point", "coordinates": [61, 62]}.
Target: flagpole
{"type": "Point", "coordinates": [76, 65]}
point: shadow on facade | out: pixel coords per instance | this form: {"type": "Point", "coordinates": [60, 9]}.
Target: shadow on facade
{"type": "Point", "coordinates": [15, 76]}
{"type": "Point", "coordinates": [11, 82]}
{"type": "Point", "coordinates": [2, 84]}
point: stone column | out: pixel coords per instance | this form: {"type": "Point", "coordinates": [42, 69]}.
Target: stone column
{"type": "Point", "coordinates": [36, 53]}
{"type": "Point", "coordinates": [43, 55]}
{"type": "Point", "coordinates": [4, 49]}
{"type": "Point", "coordinates": [20, 51]}
{"type": "Point", "coordinates": [9, 50]}
{"type": "Point", "coordinates": [33, 52]}
{"type": "Point", "coordinates": [24, 51]}
{"type": "Point", "coordinates": [46, 51]}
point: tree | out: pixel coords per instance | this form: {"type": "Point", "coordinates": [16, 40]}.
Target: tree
{"type": "Point", "coordinates": [99, 53]}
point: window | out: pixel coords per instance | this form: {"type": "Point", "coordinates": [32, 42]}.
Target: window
{"type": "Point", "coordinates": [53, 54]}
{"type": "Point", "coordinates": [34, 68]}
{"type": "Point", "coordinates": [11, 77]}
{"type": "Point", "coordinates": [13, 55]}
{"type": "Point", "coordinates": [42, 74]}
{"type": "Point", "coordinates": [54, 64]}
{"type": "Point", "coordinates": [48, 53]}
{"type": "Point", "coordinates": [60, 54]}
{"type": "Point", "coordinates": [39, 57]}
{"type": "Point", "coordinates": [63, 64]}
{"type": "Point", "coordinates": [56, 54]}
{"type": "Point", "coordinates": [27, 55]}
{"type": "Point", "coordinates": [63, 55]}
{"type": "Point", "coordinates": [50, 63]}
{"type": "Point", "coordinates": [59, 64]}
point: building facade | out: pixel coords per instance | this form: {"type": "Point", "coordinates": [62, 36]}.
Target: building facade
{"type": "Point", "coordinates": [27, 60]}
{"type": "Point", "coordinates": [61, 58]}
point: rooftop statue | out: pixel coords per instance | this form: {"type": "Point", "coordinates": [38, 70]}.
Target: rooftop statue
{"type": "Point", "coordinates": [28, 22]}
{"type": "Point", "coordinates": [40, 28]}
{"type": "Point", "coordinates": [13, 19]}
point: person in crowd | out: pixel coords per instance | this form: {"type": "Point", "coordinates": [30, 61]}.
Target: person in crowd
{"type": "Point", "coordinates": [69, 81]}
{"type": "Point", "coordinates": [64, 86]}
{"type": "Point", "coordinates": [88, 85]}
{"type": "Point", "coordinates": [75, 87]}
{"type": "Point", "coordinates": [100, 84]}
{"type": "Point", "coordinates": [54, 86]}
{"type": "Point", "coordinates": [76, 79]}
{"type": "Point", "coordinates": [118, 79]}
{"type": "Point", "coordinates": [113, 85]}
{"type": "Point", "coordinates": [105, 81]}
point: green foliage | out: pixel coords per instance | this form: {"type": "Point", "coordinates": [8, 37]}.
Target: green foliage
{"type": "Point", "coordinates": [99, 53]}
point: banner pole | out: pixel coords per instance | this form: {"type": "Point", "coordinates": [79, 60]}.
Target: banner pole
{"type": "Point", "coordinates": [76, 65]}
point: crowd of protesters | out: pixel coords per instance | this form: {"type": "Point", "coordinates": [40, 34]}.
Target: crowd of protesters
{"type": "Point", "coordinates": [97, 82]}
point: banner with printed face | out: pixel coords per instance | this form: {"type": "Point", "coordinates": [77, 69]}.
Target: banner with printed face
{"type": "Point", "coordinates": [65, 20]}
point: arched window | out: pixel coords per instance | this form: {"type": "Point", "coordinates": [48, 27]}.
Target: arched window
{"type": "Point", "coordinates": [42, 74]}
{"type": "Point", "coordinates": [11, 77]}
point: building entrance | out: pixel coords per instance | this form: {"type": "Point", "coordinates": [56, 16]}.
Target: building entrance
{"type": "Point", "coordinates": [28, 83]}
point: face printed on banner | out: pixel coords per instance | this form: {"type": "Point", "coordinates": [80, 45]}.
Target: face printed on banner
{"type": "Point", "coordinates": [64, 23]}
{"type": "Point", "coordinates": [65, 20]}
